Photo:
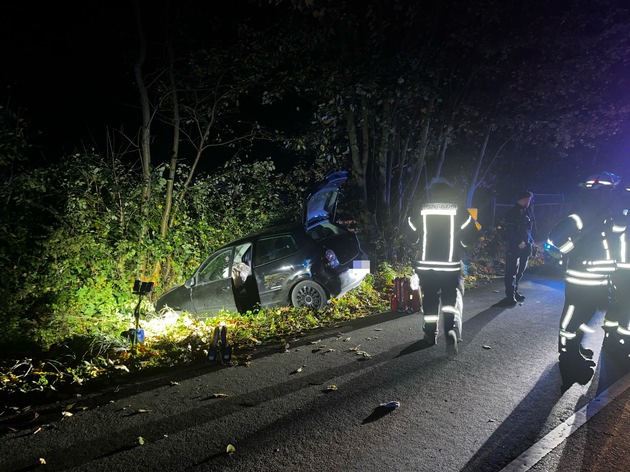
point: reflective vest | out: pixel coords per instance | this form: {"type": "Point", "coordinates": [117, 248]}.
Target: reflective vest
{"type": "Point", "coordinates": [590, 260]}
{"type": "Point", "coordinates": [440, 238]}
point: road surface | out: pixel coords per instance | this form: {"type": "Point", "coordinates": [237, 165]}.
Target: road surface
{"type": "Point", "coordinates": [497, 405]}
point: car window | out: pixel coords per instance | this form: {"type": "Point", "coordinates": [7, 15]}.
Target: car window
{"type": "Point", "coordinates": [275, 247]}
{"type": "Point", "coordinates": [323, 231]}
{"type": "Point", "coordinates": [217, 267]}
{"type": "Point", "coordinates": [242, 267]}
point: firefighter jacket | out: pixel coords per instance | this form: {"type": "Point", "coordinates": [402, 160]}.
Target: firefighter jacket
{"type": "Point", "coordinates": [584, 248]}
{"type": "Point", "coordinates": [442, 233]}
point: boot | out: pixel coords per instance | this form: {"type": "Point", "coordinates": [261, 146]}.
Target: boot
{"type": "Point", "coordinates": [575, 367]}
{"type": "Point", "coordinates": [430, 333]}
{"type": "Point", "coordinates": [226, 349]}
{"type": "Point", "coordinates": [213, 349]}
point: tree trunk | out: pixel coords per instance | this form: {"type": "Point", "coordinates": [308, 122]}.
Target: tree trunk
{"type": "Point", "coordinates": [145, 130]}
{"type": "Point", "coordinates": [384, 176]}
{"type": "Point", "coordinates": [442, 155]}
{"type": "Point", "coordinates": [358, 170]}
{"type": "Point", "coordinates": [419, 164]}
{"type": "Point", "coordinates": [475, 175]}
{"type": "Point", "coordinates": [168, 202]}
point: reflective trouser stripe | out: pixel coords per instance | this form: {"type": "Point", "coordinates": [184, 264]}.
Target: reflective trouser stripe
{"type": "Point", "coordinates": [451, 309]}
{"type": "Point", "coordinates": [567, 317]}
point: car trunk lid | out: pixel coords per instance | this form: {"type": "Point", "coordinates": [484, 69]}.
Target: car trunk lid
{"type": "Point", "coordinates": [321, 204]}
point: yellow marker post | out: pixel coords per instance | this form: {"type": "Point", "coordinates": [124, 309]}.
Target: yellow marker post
{"type": "Point", "coordinates": [473, 212]}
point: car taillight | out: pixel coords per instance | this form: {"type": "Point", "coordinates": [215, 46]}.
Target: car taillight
{"type": "Point", "coordinates": [331, 258]}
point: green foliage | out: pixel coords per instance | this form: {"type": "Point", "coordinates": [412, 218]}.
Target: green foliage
{"type": "Point", "coordinates": [179, 340]}
{"type": "Point", "coordinates": [73, 245]}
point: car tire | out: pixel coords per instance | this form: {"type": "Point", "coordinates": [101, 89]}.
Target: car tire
{"type": "Point", "coordinates": [309, 294]}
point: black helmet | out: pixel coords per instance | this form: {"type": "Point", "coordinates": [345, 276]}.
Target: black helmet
{"type": "Point", "coordinates": [441, 190]}
{"type": "Point", "coordinates": [601, 180]}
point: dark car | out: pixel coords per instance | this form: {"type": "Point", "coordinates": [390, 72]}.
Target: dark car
{"type": "Point", "coordinates": [302, 265]}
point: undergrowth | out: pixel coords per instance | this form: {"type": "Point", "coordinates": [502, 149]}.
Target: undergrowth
{"type": "Point", "coordinates": [176, 340]}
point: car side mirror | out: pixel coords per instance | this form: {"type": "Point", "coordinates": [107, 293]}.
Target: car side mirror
{"type": "Point", "coordinates": [190, 282]}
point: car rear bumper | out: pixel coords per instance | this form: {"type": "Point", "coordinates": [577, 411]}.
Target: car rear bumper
{"type": "Point", "coordinates": [352, 277]}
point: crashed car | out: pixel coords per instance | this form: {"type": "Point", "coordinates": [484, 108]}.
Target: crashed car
{"type": "Point", "coordinates": [300, 265]}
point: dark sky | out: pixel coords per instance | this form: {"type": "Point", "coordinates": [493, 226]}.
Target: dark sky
{"type": "Point", "coordinates": [69, 65]}
{"type": "Point", "coordinates": [65, 63]}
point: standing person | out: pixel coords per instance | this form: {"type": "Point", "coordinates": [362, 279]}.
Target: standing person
{"type": "Point", "coordinates": [520, 245]}
{"type": "Point", "coordinates": [445, 228]}
{"type": "Point", "coordinates": [617, 318]}
{"type": "Point", "coordinates": [582, 240]}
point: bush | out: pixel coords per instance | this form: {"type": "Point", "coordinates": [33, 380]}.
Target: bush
{"type": "Point", "coordinates": [76, 239]}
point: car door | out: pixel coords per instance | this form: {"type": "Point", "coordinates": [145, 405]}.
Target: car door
{"type": "Point", "coordinates": [277, 262]}
{"type": "Point", "coordinates": [212, 291]}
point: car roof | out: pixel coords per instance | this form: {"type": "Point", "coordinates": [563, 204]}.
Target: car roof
{"type": "Point", "coordinates": [283, 228]}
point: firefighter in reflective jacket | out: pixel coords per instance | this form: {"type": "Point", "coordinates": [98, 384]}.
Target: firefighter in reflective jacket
{"type": "Point", "coordinates": [445, 229]}
{"type": "Point", "coordinates": [617, 318]}
{"type": "Point", "coordinates": [582, 241]}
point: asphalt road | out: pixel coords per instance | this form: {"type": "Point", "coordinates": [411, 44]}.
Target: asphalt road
{"type": "Point", "coordinates": [496, 405]}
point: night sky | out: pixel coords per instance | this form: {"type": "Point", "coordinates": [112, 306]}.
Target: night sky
{"type": "Point", "coordinates": [68, 65]}
{"type": "Point", "coordinates": [65, 64]}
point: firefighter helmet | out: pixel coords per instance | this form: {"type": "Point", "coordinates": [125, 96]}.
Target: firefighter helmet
{"type": "Point", "coordinates": [601, 180]}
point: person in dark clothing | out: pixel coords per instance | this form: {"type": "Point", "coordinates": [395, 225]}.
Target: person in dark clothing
{"type": "Point", "coordinates": [520, 245]}
{"type": "Point", "coordinates": [445, 227]}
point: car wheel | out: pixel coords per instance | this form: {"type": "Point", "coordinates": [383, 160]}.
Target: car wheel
{"type": "Point", "coordinates": [308, 294]}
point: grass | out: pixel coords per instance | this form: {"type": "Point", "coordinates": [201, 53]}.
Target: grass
{"type": "Point", "coordinates": [175, 340]}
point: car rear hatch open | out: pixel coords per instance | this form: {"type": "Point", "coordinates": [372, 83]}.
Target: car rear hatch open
{"type": "Point", "coordinates": [321, 204]}
{"type": "Point", "coordinates": [319, 217]}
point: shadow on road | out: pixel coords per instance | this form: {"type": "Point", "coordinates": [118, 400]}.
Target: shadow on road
{"type": "Point", "coordinates": [378, 413]}
{"type": "Point", "coordinates": [521, 428]}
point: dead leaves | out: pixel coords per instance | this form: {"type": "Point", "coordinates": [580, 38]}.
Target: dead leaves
{"type": "Point", "coordinates": [219, 395]}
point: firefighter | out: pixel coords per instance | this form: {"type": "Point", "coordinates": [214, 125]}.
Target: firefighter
{"type": "Point", "coordinates": [581, 240]}
{"type": "Point", "coordinates": [444, 230]}
{"type": "Point", "coordinates": [617, 319]}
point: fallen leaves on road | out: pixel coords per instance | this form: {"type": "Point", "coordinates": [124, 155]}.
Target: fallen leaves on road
{"type": "Point", "coordinates": [140, 440]}
{"type": "Point", "coordinates": [298, 370]}
{"type": "Point", "coordinates": [390, 405]}
{"type": "Point", "coordinates": [485, 346]}
{"type": "Point", "coordinates": [330, 388]}
{"type": "Point", "coordinates": [66, 413]}
{"type": "Point", "coordinates": [230, 449]}
{"type": "Point", "coordinates": [219, 395]}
